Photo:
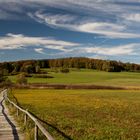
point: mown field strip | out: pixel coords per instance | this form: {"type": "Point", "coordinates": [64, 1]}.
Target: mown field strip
{"type": "Point", "coordinates": [85, 76]}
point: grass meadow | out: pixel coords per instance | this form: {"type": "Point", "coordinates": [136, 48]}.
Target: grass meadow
{"type": "Point", "coordinates": [83, 76]}
{"type": "Point", "coordinates": [86, 114]}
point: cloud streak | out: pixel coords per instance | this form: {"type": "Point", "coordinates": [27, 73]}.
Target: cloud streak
{"type": "Point", "coordinates": [103, 17]}
{"type": "Point", "coordinates": [106, 29]}
{"type": "Point", "coordinates": [18, 41]}
{"type": "Point", "coordinates": [135, 17]}
{"type": "Point", "coordinates": [129, 49]}
{"type": "Point", "coordinates": [39, 50]}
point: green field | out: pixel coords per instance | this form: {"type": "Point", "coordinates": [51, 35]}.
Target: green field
{"type": "Point", "coordinates": [90, 77]}
{"type": "Point", "coordinates": [86, 114]}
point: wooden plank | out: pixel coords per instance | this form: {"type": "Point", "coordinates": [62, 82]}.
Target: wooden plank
{"type": "Point", "coordinates": [9, 129]}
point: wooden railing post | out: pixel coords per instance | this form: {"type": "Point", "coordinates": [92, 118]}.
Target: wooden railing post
{"type": "Point", "coordinates": [36, 132]}
{"type": "Point", "coordinates": [38, 125]}
{"type": "Point", "coordinates": [25, 119]}
{"type": "Point", "coordinates": [17, 112]}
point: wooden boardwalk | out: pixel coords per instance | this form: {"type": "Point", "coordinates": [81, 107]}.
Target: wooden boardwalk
{"type": "Point", "coordinates": [9, 130]}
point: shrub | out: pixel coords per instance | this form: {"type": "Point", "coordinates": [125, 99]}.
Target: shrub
{"type": "Point", "coordinates": [2, 77]}
{"type": "Point", "coordinates": [21, 79]}
{"type": "Point", "coordinates": [7, 82]}
{"type": "Point", "coordinates": [65, 70]}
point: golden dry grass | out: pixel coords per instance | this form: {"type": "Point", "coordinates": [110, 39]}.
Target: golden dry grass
{"type": "Point", "coordinates": [86, 114]}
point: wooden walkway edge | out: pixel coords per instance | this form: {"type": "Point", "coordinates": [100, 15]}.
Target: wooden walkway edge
{"type": "Point", "coordinates": [5, 115]}
{"type": "Point", "coordinates": [9, 130]}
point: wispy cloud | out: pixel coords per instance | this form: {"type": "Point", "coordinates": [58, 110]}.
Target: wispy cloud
{"type": "Point", "coordinates": [17, 41]}
{"type": "Point", "coordinates": [129, 49]}
{"type": "Point", "coordinates": [73, 23]}
{"type": "Point", "coordinates": [39, 50]}
{"type": "Point", "coordinates": [107, 29]}
{"type": "Point", "coordinates": [135, 17]}
{"type": "Point", "coordinates": [11, 10]}
{"type": "Point", "coordinates": [104, 17]}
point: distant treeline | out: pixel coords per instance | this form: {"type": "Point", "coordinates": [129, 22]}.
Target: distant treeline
{"type": "Point", "coordinates": [33, 66]}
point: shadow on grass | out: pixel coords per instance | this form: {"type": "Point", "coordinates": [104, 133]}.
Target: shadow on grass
{"type": "Point", "coordinates": [55, 128]}
{"type": "Point", "coordinates": [48, 124]}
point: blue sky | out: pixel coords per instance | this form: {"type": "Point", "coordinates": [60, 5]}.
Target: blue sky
{"type": "Point", "coordinates": [38, 29]}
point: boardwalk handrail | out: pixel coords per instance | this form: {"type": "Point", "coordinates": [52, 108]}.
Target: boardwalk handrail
{"type": "Point", "coordinates": [38, 125]}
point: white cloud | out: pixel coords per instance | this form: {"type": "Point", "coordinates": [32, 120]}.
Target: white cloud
{"type": "Point", "coordinates": [132, 17]}
{"type": "Point", "coordinates": [53, 20]}
{"type": "Point", "coordinates": [71, 22]}
{"type": "Point", "coordinates": [83, 5]}
{"type": "Point", "coordinates": [107, 29]}
{"type": "Point", "coordinates": [129, 49]}
{"type": "Point", "coordinates": [107, 11]}
{"type": "Point", "coordinates": [104, 52]}
{"type": "Point", "coordinates": [16, 41]}
{"type": "Point", "coordinates": [106, 7]}
{"type": "Point", "coordinates": [39, 50]}
{"type": "Point", "coordinates": [11, 10]}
